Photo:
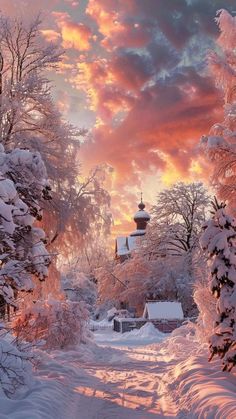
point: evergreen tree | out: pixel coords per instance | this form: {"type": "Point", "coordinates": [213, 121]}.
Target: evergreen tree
{"type": "Point", "coordinates": [219, 240]}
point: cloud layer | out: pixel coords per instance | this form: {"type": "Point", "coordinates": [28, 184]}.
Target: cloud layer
{"type": "Point", "coordinates": [135, 74]}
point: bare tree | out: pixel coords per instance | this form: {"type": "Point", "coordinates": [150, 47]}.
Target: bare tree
{"type": "Point", "coordinates": [177, 219]}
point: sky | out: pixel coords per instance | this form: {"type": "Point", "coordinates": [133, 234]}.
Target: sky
{"type": "Point", "coordinates": [135, 75]}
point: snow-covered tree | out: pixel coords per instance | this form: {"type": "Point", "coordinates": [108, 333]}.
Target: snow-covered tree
{"type": "Point", "coordinates": [219, 240]}
{"type": "Point", "coordinates": [220, 144]}
{"type": "Point", "coordinates": [205, 301]}
{"type": "Point", "coordinates": [53, 323]}
{"type": "Point", "coordinates": [176, 220]}
{"type": "Point", "coordinates": [172, 242]}
{"type": "Point", "coordinates": [84, 209]}
{"type": "Point", "coordinates": [94, 254]}
{"type": "Point", "coordinates": [79, 287]}
{"type": "Point", "coordinates": [15, 364]}
{"type": "Point", "coordinates": [123, 283]}
{"type": "Point", "coordinates": [162, 267]}
{"type": "Point", "coordinates": [30, 119]}
{"type": "Point", "coordinates": [23, 189]}
{"type": "Point", "coordinates": [25, 94]}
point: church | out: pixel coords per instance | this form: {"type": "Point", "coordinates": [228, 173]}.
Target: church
{"type": "Point", "coordinates": [125, 245]}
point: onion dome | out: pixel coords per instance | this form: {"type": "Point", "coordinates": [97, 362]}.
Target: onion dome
{"type": "Point", "coordinates": [141, 218]}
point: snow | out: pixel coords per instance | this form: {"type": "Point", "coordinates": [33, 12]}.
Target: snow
{"type": "Point", "coordinates": [200, 388]}
{"type": "Point", "coordinates": [142, 214]}
{"type": "Point", "coordinates": [111, 312]}
{"type": "Point", "coordinates": [163, 310]}
{"type": "Point", "coordinates": [214, 141]}
{"type": "Point", "coordinates": [110, 379]}
{"type": "Point", "coordinates": [125, 245]}
{"type": "Point", "coordinates": [145, 335]}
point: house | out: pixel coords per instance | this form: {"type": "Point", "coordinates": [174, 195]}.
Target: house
{"type": "Point", "coordinates": [165, 315]}
{"type": "Point", "coordinates": [125, 245]}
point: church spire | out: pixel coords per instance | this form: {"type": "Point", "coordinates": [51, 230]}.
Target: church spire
{"type": "Point", "coordinates": [141, 205]}
{"type": "Point", "coordinates": [141, 219]}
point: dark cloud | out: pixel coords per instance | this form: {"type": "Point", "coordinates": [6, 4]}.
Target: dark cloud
{"type": "Point", "coordinates": [180, 20]}
{"type": "Point", "coordinates": [132, 69]}
{"type": "Point", "coordinates": [164, 56]}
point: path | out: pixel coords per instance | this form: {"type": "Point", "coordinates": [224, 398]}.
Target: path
{"type": "Point", "coordinates": [120, 383]}
{"type": "Point", "coordinates": [119, 379]}
{"type": "Point", "coordinates": [128, 388]}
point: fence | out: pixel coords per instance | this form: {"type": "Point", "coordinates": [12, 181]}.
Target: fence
{"type": "Point", "coordinates": [93, 326]}
{"type": "Point", "coordinates": [165, 326]}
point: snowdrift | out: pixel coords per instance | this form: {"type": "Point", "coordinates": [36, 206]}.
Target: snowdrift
{"type": "Point", "coordinates": [200, 389]}
{"type": "Point", "coordinates": [147, 334]}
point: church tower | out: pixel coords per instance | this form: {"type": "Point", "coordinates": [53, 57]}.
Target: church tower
{"type": "Point", "coordinates": [141, 218]}
{"type": "Point", "coordinates": [125, 245]}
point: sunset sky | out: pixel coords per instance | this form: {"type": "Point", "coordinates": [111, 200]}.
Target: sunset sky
{"type": "Point", "coordinates": [135, 74]}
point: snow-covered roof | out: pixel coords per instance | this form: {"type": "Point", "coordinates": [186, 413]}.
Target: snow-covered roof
{"type": "Point", "coordinates": [142, 214]}
{"type": "Point", "coordinates": [124, 245]}
{"type": "Point", "coordinates": [156, 310]}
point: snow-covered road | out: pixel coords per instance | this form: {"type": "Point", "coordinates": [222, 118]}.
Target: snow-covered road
{"type": "Point", "coordinates": [142, 375]}
{"type": "Point", "coordinates": [127, 383]}
{"type": "Point", "coordinates": [118, 379]}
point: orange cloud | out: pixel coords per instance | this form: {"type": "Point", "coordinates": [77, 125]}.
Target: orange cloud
{"type": "Point", "coordinates": [111, 24]}
{"type": "Point", "coordinates": [106, 18]}
{"type": "Point", "coordinates": [99, 82]}
{"type": "Point", "coordinates": [159, 133]}
{"type": "Point", "coordinates": [74, 35]}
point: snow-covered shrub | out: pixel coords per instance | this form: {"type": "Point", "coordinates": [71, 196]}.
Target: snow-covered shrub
{"type": "Point", "coordinates": [79, 287]}
{"type": "Point", "coordinates": [15, 365]}
{"type": "Point", "coordinates": [101, 311]}
{"type": "Point", "coordinates": [55, 324]}
{"type": "Point", "coordinates": [219, 241]}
